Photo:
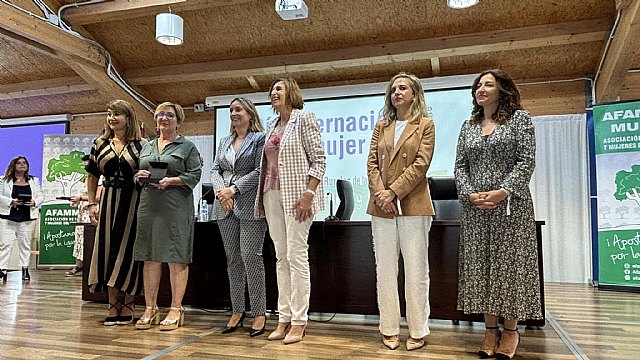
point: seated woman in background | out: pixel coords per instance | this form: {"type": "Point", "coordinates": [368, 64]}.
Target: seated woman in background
{"type": "Point", "coordinates": [498, 257]}
{"type": "Point", "coordinates": [166, 215]}
{"type": "Point", "coordinates": [235, 175]}
{"type": "Point", "coordinates": [19, 195]}
{"type": "Point", "coordinates": [400, 207]}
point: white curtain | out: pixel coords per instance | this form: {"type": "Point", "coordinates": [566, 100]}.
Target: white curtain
{"type": "Point", "coordinates": [560, 188]}
{"type": "Point", "coordinates": [204, 144]}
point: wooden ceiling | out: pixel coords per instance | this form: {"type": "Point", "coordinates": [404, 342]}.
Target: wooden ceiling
{"type": "Point", "coordinates": [241, 46]}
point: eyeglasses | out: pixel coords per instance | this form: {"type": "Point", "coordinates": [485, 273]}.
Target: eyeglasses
{"type": "Point", "coordinates": [168, 116]}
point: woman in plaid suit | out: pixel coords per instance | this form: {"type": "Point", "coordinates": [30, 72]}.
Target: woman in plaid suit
{"type": "Point", "coordinates": [235, 180]}
{"type": "Point", "coordinates": [289, 194]}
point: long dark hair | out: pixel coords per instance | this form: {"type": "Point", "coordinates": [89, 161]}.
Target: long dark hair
{"type": "Point", "coordinates": [509, 100]}
{"type": "Point", "coordinates": [10, 173]}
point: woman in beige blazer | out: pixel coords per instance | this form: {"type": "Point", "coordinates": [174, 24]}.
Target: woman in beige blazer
{"type": "Point", "coordinates": [401, 209]}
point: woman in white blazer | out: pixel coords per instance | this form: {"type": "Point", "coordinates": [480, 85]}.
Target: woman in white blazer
{"type": "Point", "coordinates": [19, 196]}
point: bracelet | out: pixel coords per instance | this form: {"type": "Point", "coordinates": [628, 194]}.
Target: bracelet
{"type": "Point", "coordinates": [91, 204]}
{"type": "Point", "coordinates": [313, 193]}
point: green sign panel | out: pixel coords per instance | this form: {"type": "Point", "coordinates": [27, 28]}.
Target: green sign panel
{"type": "Point", "coordinates": [619, 255]}
{"type": "Point", "coordinates": [617, 127]}
{"type": "Point", "coordinates": [57, 234]}
{"type": "Point", "coordinates": [617, 143]}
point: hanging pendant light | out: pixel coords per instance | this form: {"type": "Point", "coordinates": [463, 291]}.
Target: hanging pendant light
{"type": "Point", "coordinates": [169, 28]}
{"type": "Point", "coordinates": [461, 4]}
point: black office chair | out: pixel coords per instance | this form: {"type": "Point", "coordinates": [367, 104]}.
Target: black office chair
{"type": "Point", "coordinates": [345, 194]}
{"type": "Point", "coordinates": [445, 198]}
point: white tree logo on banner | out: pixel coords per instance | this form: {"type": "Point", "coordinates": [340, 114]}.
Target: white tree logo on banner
{"type": "Point", "coordinates": [68, 171]}
{"type": "Point", "coordinates": [628, 184]}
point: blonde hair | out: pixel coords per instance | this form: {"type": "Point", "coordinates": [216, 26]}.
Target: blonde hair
{"type": "Point", "coordinates": [418, 105]}
{"type": "Point", "coordinates": [132, 131]}
{"type": "Point", "coordinates": [177, 107]}
{"type": "Point", "coordinates": [294, 94]}
{"type": "Point", "coordinates": [254, 123]}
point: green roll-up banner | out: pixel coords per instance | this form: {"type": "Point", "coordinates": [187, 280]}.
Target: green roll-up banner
{"type": "Point", "coordinates": [63, 176]}
{"type": "Point", "coordinates": [57, 234]}
{"type": "Point", "coordinates": [617, 144]}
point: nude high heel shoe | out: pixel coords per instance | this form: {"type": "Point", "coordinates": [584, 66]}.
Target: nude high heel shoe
{"type": "Point", "coordinates": [291, 338]}
{"type": "Point", "coordinates": [144, 323]}
{"type": "Point", "coordinates": [412, 344]}
{"type": "Point", "coordinates": [392, 342]}
{"type": "Point", "coordinates": [279, 334]}
{"type": "Point", "coordinates": [507, 349]}
{"type": "Point", "coordinates": [492, 335]}
{"type": "Point", "coordinates": [166, 325]}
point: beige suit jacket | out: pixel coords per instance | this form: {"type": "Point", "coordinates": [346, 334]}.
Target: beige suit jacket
{"type": "Point", "coordinates": [402, 168]}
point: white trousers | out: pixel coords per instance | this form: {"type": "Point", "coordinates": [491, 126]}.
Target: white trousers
{"type": "Point", "coordinates": [408, 235]}
{"type": "Point", "coordinates": [12, 233]}
{"type": "Point", "coordinates": [292, 260]}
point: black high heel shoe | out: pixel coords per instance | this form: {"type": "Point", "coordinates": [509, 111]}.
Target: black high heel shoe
{"type": "Point", "coordinates": [126, 319]}
{"type": "Point", "coordinates": [25, 274]}
{"type": "Point", "coordinates": [3, 275]}
{"type": "Point", "coordinates": [112, 320]}
{"type": "Point", "coordinates": [229, 329]}
{"type": "Point", "coordinates": [258, 332]}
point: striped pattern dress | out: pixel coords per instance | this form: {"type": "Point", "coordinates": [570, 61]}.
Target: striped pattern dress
{"type": "Point", "coordinates": [112, 261]}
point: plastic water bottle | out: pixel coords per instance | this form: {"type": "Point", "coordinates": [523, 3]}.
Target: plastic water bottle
{"type": "Point", "coordinates": [204, 211]}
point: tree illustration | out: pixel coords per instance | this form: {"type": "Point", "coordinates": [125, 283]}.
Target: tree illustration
{"type": "Point", "coordinates": [68, 171]}
{"type": "Point", "coordinates": [628, 184]}
{"type": "Point", "coordinates": [622, 210]}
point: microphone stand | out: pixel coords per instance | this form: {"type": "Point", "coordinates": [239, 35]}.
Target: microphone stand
{"type": "Point", "coordinates": [331, 217]}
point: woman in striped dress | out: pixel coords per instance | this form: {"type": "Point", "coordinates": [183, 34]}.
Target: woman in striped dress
{"type": "Point", "coordinates": [115, 155]}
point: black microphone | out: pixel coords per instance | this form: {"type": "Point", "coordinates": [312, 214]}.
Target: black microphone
{"type": "Point", "coordinates": [331, 217]}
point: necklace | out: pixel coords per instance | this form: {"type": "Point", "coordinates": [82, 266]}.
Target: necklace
{"type": "Point", "coordinates": [280, 126]}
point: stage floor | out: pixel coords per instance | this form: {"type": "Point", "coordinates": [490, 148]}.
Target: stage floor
{"type": "Point", "coordinates": [46, 319]}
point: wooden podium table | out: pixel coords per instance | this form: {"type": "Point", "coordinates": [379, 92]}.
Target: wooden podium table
{"type": "Point", "coordinates": [343, 277]}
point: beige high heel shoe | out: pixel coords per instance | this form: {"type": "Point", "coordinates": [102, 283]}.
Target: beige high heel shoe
{"type": "Point", "coordinates": [166, 325]}
{"type": "Point", "coordinates": [290, 338]}
{"type": "Point", "coordinates": [508, 344]}
{"type": "Point", "coordinates": [144, 323]}
{"type": "Point", "coordinates": [392, 342]}
{"type": "Point", "coordinates": [280, 332]}
{"type": "Point", "coordinates": [492, 335]}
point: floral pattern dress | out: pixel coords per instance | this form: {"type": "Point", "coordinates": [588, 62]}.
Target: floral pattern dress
{"type": "Point", "coordinates": [498, 256]}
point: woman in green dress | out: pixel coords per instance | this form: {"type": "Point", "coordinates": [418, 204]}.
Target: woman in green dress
{"type": "Point", "coordinates": [166, 215]}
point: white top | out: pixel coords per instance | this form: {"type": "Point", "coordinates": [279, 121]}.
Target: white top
{"type": "Point", "coordinates": [400, 125]}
